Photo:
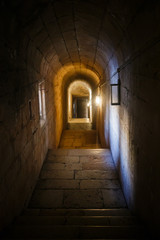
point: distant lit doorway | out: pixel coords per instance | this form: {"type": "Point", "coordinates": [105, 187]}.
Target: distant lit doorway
{"type": "Point", "coordinates": [79, 102]}
{"type": "Point", "coordinates": [80, 107]}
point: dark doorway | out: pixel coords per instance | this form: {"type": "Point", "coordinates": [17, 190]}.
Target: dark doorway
{"type": "Point", "coordinates": [80, 107]}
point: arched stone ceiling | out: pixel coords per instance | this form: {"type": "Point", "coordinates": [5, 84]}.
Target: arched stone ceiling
{"type": "Point", "coordinates": [77, 33]}
{"type": "Point", "coordinates": [79, 88]}
{"type": "Point", "coordinates": [70, 73]}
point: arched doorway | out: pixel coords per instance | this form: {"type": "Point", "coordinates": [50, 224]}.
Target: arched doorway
{"type": "Point", "coordinates": [79, 103]}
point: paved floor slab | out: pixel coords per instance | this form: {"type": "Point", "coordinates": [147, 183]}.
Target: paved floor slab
{"type": "Point", "coordinates": [96, 159]}
{"type": "Point", "coordinates": [113, 198]}
{"type": "Point", "coordinates": [79, 139]}
{"type": "Point", "coordinates": [58, 184]}
{"type": "Point", "coordinates": [99, 184]}
{"type": "Point", "coordinates": [78, 178]}
{"type": "Point", "coordinates": [83, 199]}
{"type": "Point", "coordinates": [47, 199]}
{"type": "Point", "coordinates": [62, 166]}
{"type": "Point", "coordinates": [62, 159]}
{"type": "Point", "coordinates": [96, 174]}
{"type": "Point", "coordinates": [97, 165]}
{"type": "Point", "coordinates": [88, 152]}
{"type": "Point", "coordinates": [57, 174]}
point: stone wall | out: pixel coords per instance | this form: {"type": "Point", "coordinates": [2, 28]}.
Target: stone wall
{"type": "Point", "coordinates": [139, 118]}
{"type": "Point", "coordinates": [24, 140]}
{"type": "Point", "coordinates": [134, 125]}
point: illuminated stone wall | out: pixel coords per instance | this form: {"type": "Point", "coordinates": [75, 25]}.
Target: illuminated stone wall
{"type": "Point", "coordinates": [133, 126]}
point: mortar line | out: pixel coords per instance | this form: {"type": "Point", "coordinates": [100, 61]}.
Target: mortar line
{"type": "Point", "coordinates": [43, 22]}
{"type": "Point", "coordinates": [54, 11]}
{"type": "Point", "coordinates": [116, 48]}
{"type": "Point", "coordinates": [75, 30]}
{"type": "Point", "coordinates": [98, 38]}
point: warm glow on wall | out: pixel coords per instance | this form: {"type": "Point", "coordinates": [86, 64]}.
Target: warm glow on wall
{"type": "Point", "coordinates": [88, 104]}
{"type": "Point", "coordinates": [98, 100]}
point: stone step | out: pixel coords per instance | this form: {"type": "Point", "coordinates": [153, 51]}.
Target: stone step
{"type": "Point", "coordinates": [77, 220]}
{"type": "Point", "coordinates": [73, 231]}
{"type": "Point", "coordinates": [79, 152]}
{"type": "Point", "coordinates": [72, 238]}
{"type": "Point", "coordinates": [84, 164]}
{"type": "Point", "coordinates": [104, 160]}
{"type": "Point", "coordinates": [78, 146]}
{"type": "Point", "coordinates": [62, 166]}
{"type": "Point", "coordinates": [77, 212]}
{"type": "Point", "coordinates": [62, 159]}
{"type": "Point", "coordinates": [77, 184]}
{"type": "Point", "coordinates": [82, 199]}
{"type": "Point", "coordinates": [83, 175]}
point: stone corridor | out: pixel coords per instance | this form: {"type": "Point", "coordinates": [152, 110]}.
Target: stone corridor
{"type": "Point", "coordinates": [67, 66]}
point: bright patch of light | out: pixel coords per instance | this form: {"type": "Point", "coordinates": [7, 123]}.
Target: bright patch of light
{"type": "Point", "coordinates": [98, 100]}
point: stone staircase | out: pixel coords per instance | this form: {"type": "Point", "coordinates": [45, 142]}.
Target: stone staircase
{"type": "Point", "coordinates": [86, 139]}
{"type": "Point", "coordinates": [77, 196]}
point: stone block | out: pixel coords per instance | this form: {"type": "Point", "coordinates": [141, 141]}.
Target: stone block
{"type": "Point", "coordinates": [96, 159]}
{"type": "Point", "coordinates": [98, 166]}
{"type": "Point", "coordinates": [86, 152]}
{"type": "Point", "coordinates": [99, 184]}
{"type": "Point", "coordinates": [95, 174]}
{"type": "Point", "coordinates": [73, 166]}
{"type": "Point", "coordinates": [58, 184]}
{"type": "Point", "coordinates": [113, 198]}
{"type": "Point", "coordinates": [47, 199]}
{"type": "Point", "coordinates": [66, 142]}
{"type": "Point", "coordinates": [63, 159]}
{"type": "Point", "coordinates": [57, 174]}
{"type": "Point", "coordinates": [83, 199]}
{"type": "Point", "coordinates": [62, 166]}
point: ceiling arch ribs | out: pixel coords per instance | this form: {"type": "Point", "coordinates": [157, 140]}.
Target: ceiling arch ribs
{"type": "Point", "coordinates": [75, 30]}
{"type": "Point", "coordinates": [123, 24]}
{"type": "Point", "coordinates": [61, 22]}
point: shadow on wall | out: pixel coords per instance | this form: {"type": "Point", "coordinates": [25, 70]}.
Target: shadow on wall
{"type": "Point", "coordinates": [133, 134]}
{"type": "Point", "coordinates": [119, 140]}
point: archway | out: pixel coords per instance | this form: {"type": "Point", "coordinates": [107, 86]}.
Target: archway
{"type": "Point", "coordinates": [79, 102]}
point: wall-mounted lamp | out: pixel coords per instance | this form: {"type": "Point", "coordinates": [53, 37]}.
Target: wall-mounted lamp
{"type": "Point", "coordinates": [98, 100]}
{"type": "Point", "coordinates": [115, 94]}
{"type": "Point", "coordinates": [115, 91]}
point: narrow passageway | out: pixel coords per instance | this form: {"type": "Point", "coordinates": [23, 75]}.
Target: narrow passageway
{"type": "Point", "coordinates": [79, 118]}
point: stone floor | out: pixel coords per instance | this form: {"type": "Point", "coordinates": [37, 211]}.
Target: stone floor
{"type": "Point", "coordinates": [79, 139]}
{"type": "Point", "coordinates": [80, 126]}
{"type": "Point", "coordinates": [78, 178]}
{"type": "Point", "coordinates": [77, 196]}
